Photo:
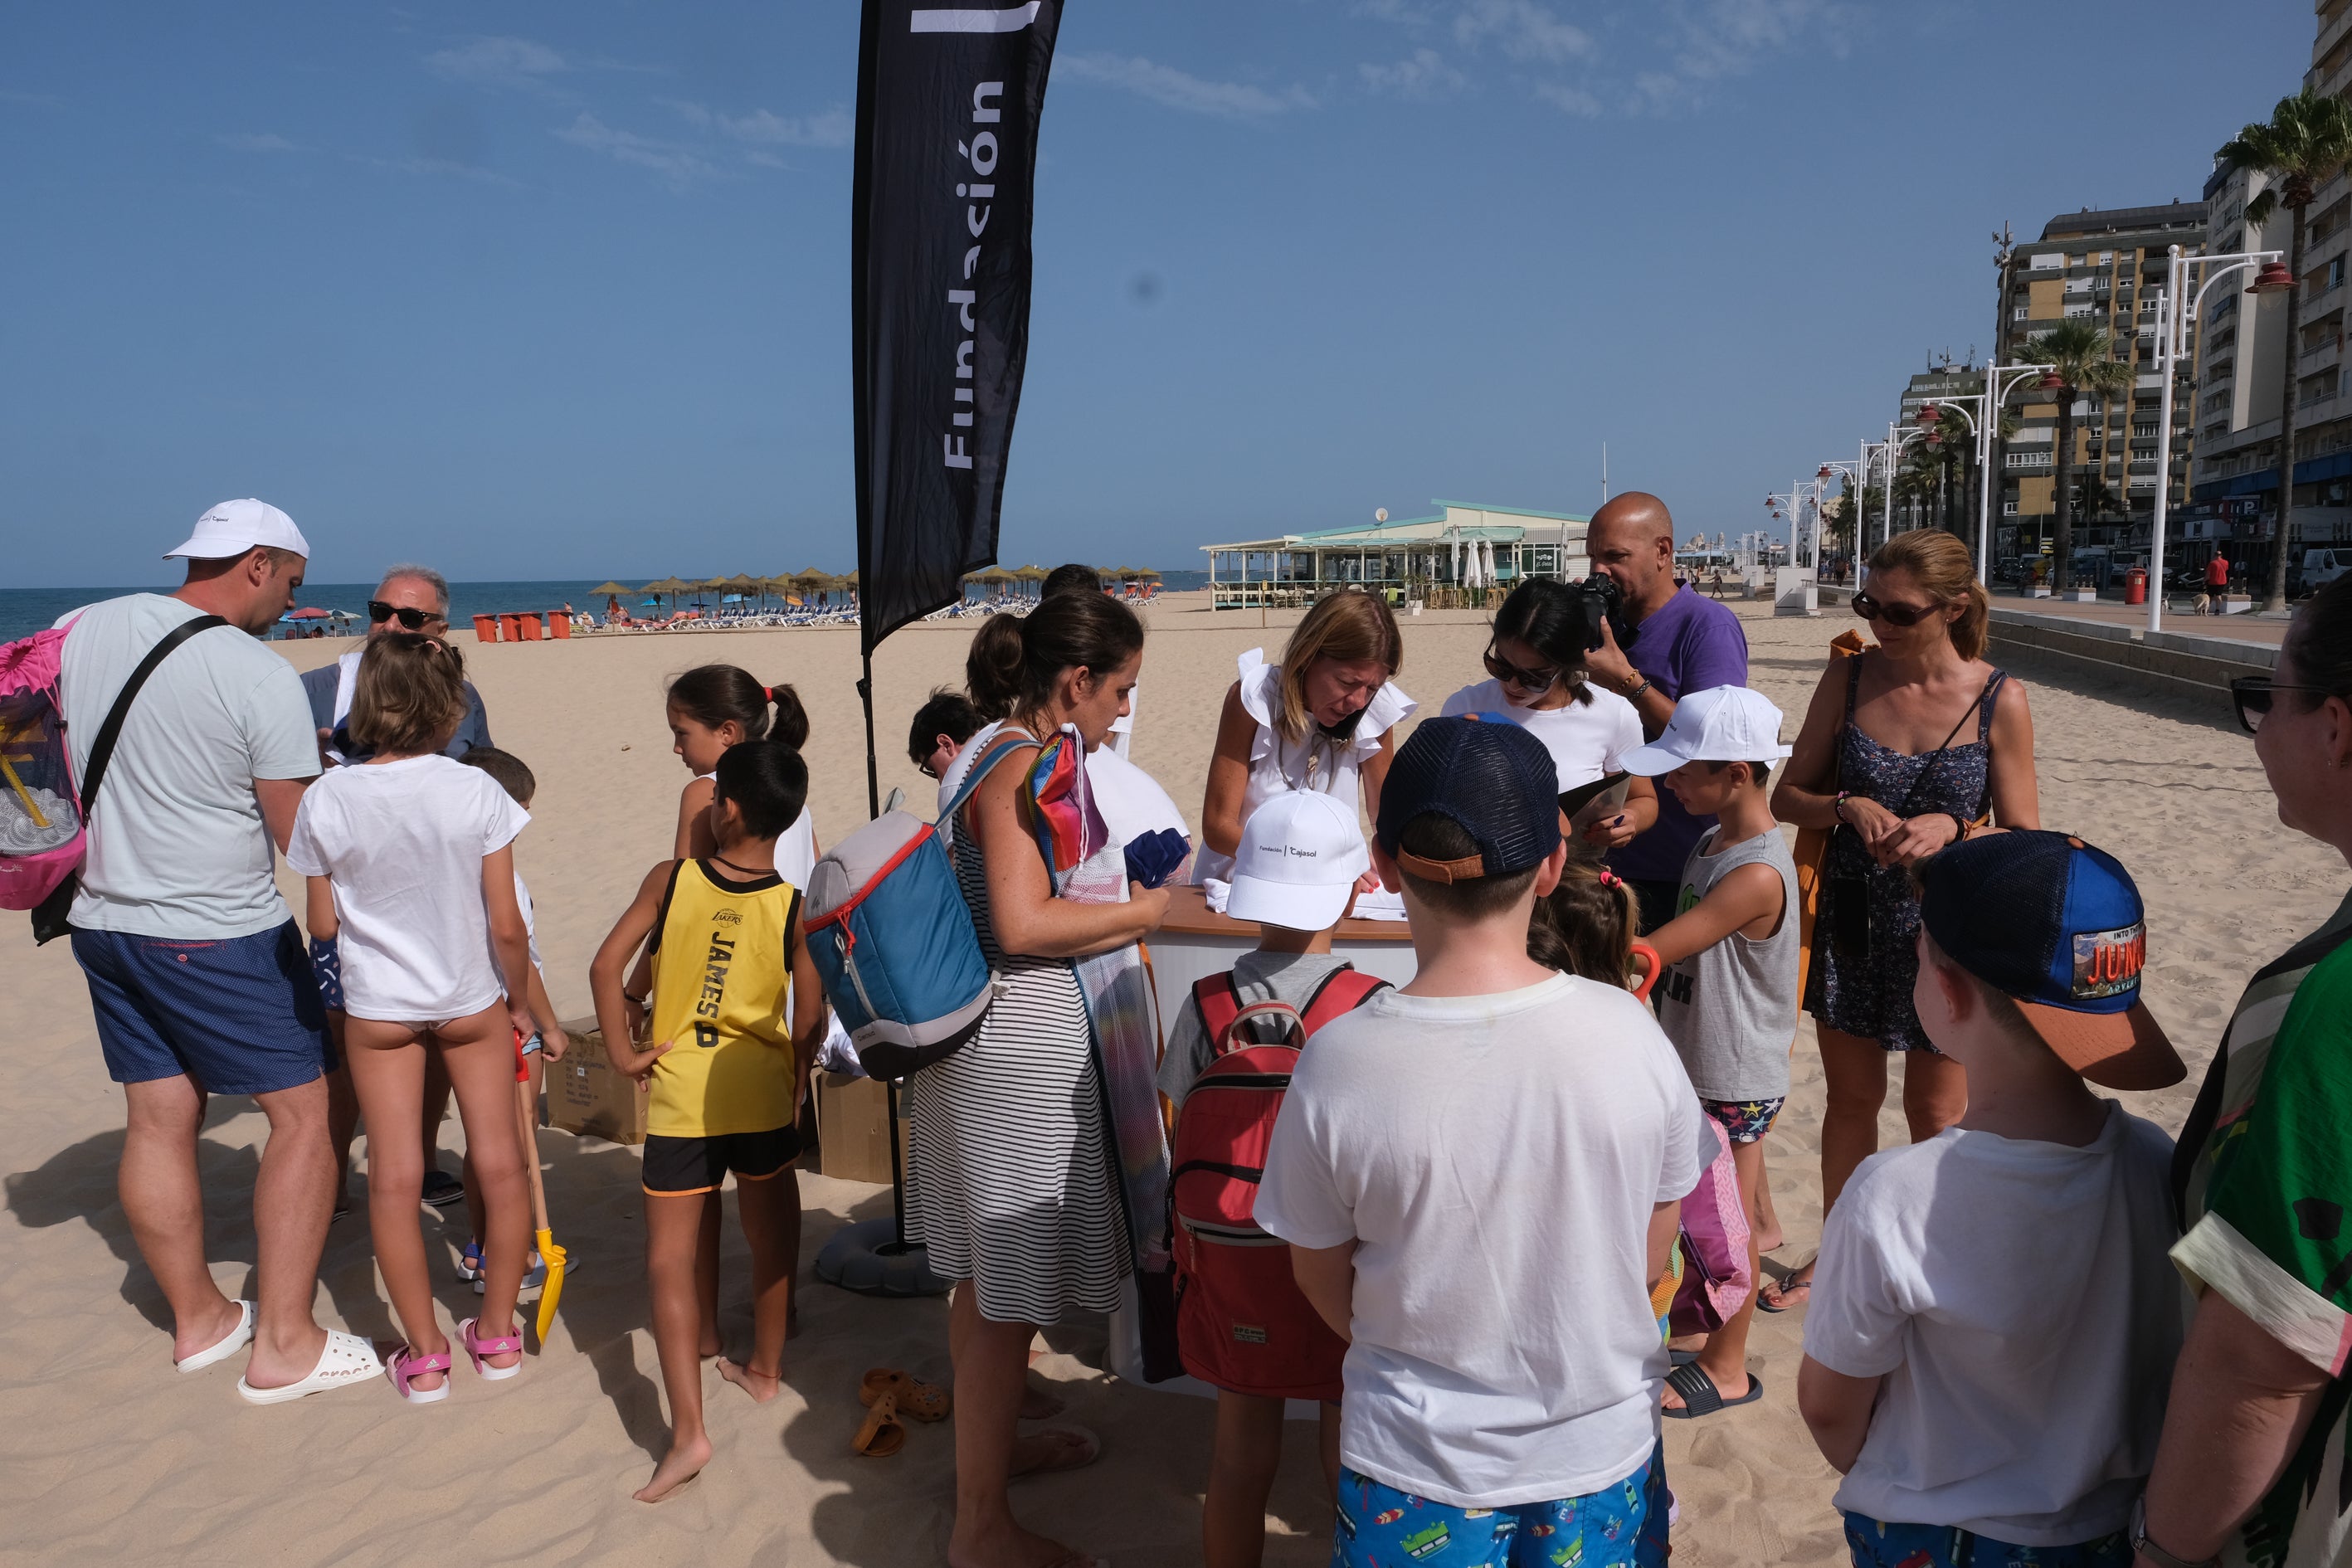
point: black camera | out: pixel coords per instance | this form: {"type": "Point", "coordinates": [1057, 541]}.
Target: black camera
{"type": "Point", "coordinates": [1603, 602]}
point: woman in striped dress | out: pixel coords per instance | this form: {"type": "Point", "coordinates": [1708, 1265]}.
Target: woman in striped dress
{"type": "Point", "coordinates": [1013, 1180]}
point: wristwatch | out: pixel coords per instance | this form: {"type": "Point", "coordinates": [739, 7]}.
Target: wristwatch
{"type": "Point", "coordinates": [2144, 1547]}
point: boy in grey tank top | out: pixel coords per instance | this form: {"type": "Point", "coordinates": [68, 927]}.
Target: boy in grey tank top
{"type": "Point", "coordinates": [1729, 995]}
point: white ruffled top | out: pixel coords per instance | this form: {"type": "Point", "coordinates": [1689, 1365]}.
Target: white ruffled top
{"type": "Point", "coordinates": [1313, 761]}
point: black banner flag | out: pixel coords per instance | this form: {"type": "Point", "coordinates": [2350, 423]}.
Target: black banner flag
{"type": "Point", "coordinates": [947, 105]}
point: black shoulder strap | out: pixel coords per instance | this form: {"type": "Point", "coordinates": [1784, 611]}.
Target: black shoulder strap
{"type": "Point", "coordinates": [102, 750]}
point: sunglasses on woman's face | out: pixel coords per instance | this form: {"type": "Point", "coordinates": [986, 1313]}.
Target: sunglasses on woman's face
{"type": "Point", "coordinates": [2253, 697]}
{"type": "Point", "coordinates": [1871, 609]}
{"type": "Point", "coordinates": [1540, 679]}
{"type": "Point", "coordinates": [411, 620]}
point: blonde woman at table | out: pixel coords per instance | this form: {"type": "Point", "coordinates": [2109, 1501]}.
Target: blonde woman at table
{"type": "Point", "coordinates": [1012, 1178]}
{"type": "Point", "coordinates": [1324, 720]}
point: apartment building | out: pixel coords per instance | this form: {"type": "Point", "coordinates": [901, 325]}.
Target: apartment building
{"type": "Point", "coordinates": [2106, 265]}
{"type": "Point", "coordinates": [2234, 498]}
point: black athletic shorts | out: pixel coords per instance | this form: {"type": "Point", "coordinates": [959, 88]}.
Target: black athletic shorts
{"type": "Point", "coordinates": [681, 1167]}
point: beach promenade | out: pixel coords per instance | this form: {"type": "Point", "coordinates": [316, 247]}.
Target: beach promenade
{"type": "Point", "coordinates": [106, 1457]}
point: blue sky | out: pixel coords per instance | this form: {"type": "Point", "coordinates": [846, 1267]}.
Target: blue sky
{"type": "Point", "coordinates": [562, 290]}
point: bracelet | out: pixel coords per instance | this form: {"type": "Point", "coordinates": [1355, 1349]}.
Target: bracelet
{"type": "Point", "coordinates": [2144, 1547]}
{"type": "Point", "coordinates": [1960, 827]}
{"type": "Point", "coordinates": [1635, 695]}
{"type": "Point", "coordinates": [1837, 806]}
{"type": "Point", "coordinates": [637, 1001]}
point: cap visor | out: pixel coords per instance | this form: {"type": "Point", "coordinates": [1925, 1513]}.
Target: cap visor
{"type": "Point", "coordinates": [1650, 762]}
{"type": "Point", "coordinates": [2113, 1050]}
{"type": "Point", "coordinates": [1288, 904]}
{"type": "Point", "coordinates": [206, 550]}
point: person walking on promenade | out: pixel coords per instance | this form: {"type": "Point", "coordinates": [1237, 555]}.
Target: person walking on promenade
{"type": "Point", "coordinates": [408, 598]}
{"type": "Point", "coordinates": [2250, 1467]}
{"type": "Point", "coordinates": [1881, 762]}
{"type": "Point", "coordinates": [1012, 1182]}
{"type": "Point", "coordinates": [2217, 582]}
{"type": "Point", "coordinates": [1682, 641]}
{"type": "Point", "coordinates": [197, 973]}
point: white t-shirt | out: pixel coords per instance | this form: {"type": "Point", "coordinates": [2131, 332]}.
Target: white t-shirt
{"type": "Point", "coordinates": [404, 842]}
{"type": "Point", "coordinates": [1496, 1160]}
{"type": "Point", "coordinates": [2018, 1299]}
{"type": "Point", "coordinates": [1131, 801]}
{"type": "Point", "coordinates": [177, 848]}
{"type": "Point", "coordinates": [1586, 740]}
{"type": "Point", "coordinates": [1122, 729]}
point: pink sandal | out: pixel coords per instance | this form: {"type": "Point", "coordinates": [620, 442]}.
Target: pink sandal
{"type": "Point", "coordinates": [404, 1365]}
{"type": "Point", "coordinates": [478, 1348]}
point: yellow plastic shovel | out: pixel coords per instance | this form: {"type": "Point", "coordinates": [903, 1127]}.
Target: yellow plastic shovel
{"type": "Point", "coordinates": [552, 1255]}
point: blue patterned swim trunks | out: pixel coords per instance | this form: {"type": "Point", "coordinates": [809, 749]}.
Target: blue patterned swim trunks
{"type": "Point", "coordinates": [1620, 1526]}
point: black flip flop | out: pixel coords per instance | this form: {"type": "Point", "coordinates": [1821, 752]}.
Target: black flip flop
{"type": "Point", "coordinates": [1700, 1396]}
{"type": "Point", "coordinates": [1786, 1288]}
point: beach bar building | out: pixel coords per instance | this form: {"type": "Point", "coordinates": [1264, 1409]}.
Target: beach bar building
{"type": "Point", "coordinates": [1462, 547]}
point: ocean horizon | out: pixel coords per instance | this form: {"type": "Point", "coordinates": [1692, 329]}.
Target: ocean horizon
{"type": "Point", "coordinates": [23, 611]}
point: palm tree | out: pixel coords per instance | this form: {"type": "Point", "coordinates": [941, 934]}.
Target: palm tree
{"type": "Point", "coordinates": [2085, 360]}
{"type": "Point", "coordinates": [2307, 142]}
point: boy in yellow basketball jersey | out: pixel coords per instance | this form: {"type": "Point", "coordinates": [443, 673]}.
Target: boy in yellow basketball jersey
{"type": "Point", "coordinates": [725, 1073]}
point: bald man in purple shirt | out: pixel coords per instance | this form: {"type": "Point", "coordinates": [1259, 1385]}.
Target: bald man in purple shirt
{"type": "Point", "coordinates": [1682, 641]}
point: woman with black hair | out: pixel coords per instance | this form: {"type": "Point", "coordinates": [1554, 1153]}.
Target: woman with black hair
{"type": "Point", "coordinates": [1536, 679]}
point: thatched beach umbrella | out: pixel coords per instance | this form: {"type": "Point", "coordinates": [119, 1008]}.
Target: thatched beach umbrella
{"type": "Point", "coordinates": [608, 590]}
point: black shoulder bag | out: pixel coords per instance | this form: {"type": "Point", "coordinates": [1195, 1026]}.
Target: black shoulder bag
{"type": "Point", "coordinates": [49, 915]}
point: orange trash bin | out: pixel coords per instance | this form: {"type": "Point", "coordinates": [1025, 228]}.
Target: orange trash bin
{"type": "Point", "coordinates": [528, 627]}
{"type": "Point", "coordinates": [559, 626]}
{"type": "Point", "coordinates": [2136, 585]}
{"type": "Point", "coordinates": [486, 628]}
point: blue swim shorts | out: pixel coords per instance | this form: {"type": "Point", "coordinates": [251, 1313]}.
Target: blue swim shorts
{"type": "Point", "coordinates": [1874, 1544]}
{"type": "Point", "coordinates": [1620, 1526]}
{"type": "Point", "coordinates": [238, 1017]}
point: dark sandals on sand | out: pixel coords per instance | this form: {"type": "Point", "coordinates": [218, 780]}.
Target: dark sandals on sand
{"type": "Point", "coordinates": [1700, 1396]}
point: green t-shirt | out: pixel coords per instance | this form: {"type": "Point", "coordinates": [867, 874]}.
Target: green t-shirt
{"type": "Point", "coordinates": [2264, 1178]}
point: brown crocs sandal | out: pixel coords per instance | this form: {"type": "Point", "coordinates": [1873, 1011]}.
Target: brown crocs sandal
{"type": "Point", "coordinates": [919, 1401]}
{"type": "Point", "coordinates": [881, 1435]}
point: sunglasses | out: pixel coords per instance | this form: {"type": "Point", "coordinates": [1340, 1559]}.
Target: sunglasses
{"type": "Point", "coordinates": [2254, 695]}
{"type": "Point", "coordinates": [1871, 609]}
{"type": "Point", "coordinates": [410, 620]}
{"type": "Point", "coordinates": [1538, 681]}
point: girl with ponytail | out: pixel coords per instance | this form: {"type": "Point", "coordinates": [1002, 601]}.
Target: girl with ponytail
{"type": "Point", "coordinates": [717, 706]}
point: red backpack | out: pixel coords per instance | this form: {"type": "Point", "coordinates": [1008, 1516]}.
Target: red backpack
{"type": "Point", "coordinates": [1240, 1320]}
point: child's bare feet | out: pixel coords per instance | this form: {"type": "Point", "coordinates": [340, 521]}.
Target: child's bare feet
{"type": "Point", "coordinates": [681, 1465]}
{"type": "Point", "coordinates": [1011, 1547]}
{"type": "Point", "coordinates": [761, 1387]}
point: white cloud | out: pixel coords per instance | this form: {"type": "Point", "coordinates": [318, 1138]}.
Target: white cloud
{"type": "Point", "coordinates": [1424, 75]}
{"type": "Point", "coordinates": [1523, 29]}
{"type": "Point", "coordinates": [679, 166]}
{"type": "Point", "coordinates": [1726, 37]}
{"type": "Point", "coordinates": [831, 129]}
{"type": "Point", "coordinates": [499, 62]}
{"type": "Point", "coordinates": [1570, 100]}
{"type": "Point", "coordinates": [1178, 89]}
{"type": "Point", "coordinates": [267, 142]}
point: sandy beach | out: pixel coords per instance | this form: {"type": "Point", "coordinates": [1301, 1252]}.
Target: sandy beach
{"type": "Point", "coordinates": [106, 1457]}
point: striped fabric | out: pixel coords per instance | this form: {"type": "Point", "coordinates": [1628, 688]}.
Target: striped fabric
{"type": "Point", "coordinates": [1009, 1180]}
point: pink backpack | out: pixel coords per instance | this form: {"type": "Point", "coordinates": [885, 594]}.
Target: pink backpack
{"type": "Point", "coordinates": [1717, 1278]}
{"type": "Point", "coordinates": [40, 815]}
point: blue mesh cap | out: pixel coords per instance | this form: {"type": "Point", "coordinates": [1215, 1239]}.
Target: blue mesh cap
{"type": "Point", "coordinates": [2057, 926]}
{"type": "Point", "coordinates": [1495, 781]}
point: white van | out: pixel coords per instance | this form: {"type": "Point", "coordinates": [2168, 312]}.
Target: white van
{"type": "Point", "coordinates": [2321, 567]}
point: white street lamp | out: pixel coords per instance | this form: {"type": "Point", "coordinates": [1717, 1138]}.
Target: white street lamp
{"type": "Point", "coordinates": [1984, 423]}
{"type": "Point", "coordinates": [2176, 314]}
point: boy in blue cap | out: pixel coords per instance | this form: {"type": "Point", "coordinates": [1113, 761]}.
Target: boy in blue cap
{"type": "Point", "coordinates": [1479, 1176]}
{"type": "Point", "coordinates": [1995, 1319]}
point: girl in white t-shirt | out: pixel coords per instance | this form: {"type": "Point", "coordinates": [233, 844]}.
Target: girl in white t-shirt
{"type": "Point", "coordinates": [1536, 680]}
{"type": "Point", "coordinates": [717, 706]}
{"type": "Point", "coordinates": [1324, 718]}
{"type": "Point", "coordinates": [411, 866]}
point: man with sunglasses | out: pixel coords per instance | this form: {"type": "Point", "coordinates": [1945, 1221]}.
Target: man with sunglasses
{"type": "Point", "coordinates": [1684, 641]}
{"type": "Point", "coordinates": [411, 599]}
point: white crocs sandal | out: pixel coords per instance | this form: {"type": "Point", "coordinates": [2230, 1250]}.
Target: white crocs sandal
{"type": "Point", "coordinates": [347, 1362]}
{"type": "Point", "coordinates": [235, 1339]}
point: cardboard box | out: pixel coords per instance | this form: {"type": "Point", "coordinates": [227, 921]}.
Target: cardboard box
{"type": "Point", "coordinates": [586, 1095]}
{"type": "Point", "coordinates": [851, 1117]}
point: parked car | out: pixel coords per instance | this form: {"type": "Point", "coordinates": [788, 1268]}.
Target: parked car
{"type": "Point", "coordinates": [2318, 568]}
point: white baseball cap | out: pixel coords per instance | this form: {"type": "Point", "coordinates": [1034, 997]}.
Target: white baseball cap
{"type": "Point", "coordinates": [1721, 724]}
{"type": "Point", "coordinates": [235, 526]}
{"type": "Point", "coordinates": [1300, 854]}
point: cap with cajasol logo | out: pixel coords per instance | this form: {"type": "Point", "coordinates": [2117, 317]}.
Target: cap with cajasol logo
{"type": "Point", "coordinates": [2058, 927]}
{"type": "Point", "coordinates": [1720, 724]}
{"type": "Point", "coordinates": [234, 527]}
{"type": "Point", "coordinates": [1300, 854]}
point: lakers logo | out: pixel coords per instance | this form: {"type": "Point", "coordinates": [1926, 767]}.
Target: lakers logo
{"type": "Point", "coordinates": [728, 918]}
{"type": "Point", "coordinates": [2109, 962]}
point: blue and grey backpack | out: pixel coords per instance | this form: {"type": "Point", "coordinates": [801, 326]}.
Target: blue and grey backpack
{"type": "Point", "coordinates": [893, 940]}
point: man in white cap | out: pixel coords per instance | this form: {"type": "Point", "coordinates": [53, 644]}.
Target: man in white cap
{"type": "Point", "coordinates": [197, 973]}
